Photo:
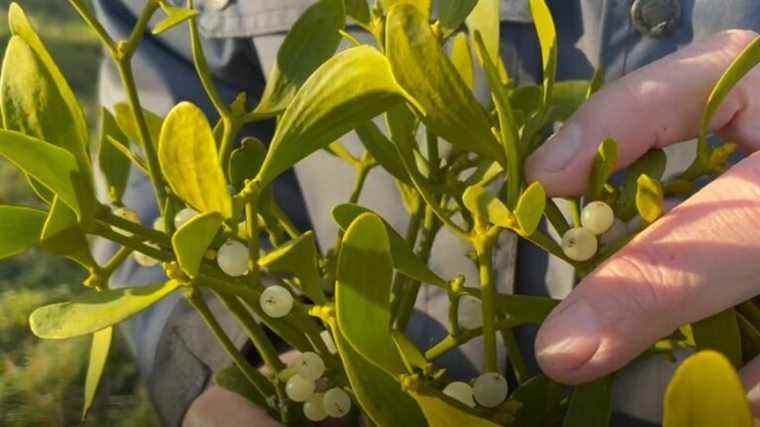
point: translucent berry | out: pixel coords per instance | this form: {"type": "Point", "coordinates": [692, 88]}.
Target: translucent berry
{"type": "Point", "coordinates": [313, 409]}
{"type": "Point", "coordinates": [615, 233]}
{"type": "Point", "coordinates": [460, 391]}
{"type": "Point", "coordinates": [328, 340]}
{"type": "Point", "coordinates": [470, 312]}
{"type": "Point", "coordinates": [145, 260]}
{"type": "Point", "coordinates": [184, 216]}
{"type": "Point", "coordinates": [160, 224]}
{"type": "Point", "coordinates": [579, 244]}
{"type": "Point", "coordinates": [336, 402]}
{"type": "Point", "coordinates": [310, 366]}
{"type": "Point", "coordinates": [490, 389]}
{"type": "Point", "coordinates": [276, 301]}
{"type": "Point", "coordinates": [233, 258]}
{"type": "Point", "coordinates": [597, 217]}
{"type": "Point", "coordinates": [299, 389]}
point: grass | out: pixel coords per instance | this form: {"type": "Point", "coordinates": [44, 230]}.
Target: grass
{"type": "Point", "coordinates": [41, 382]}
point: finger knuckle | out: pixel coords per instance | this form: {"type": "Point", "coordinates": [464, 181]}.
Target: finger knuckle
{"type": "Point", "coordinates": [735, 40]}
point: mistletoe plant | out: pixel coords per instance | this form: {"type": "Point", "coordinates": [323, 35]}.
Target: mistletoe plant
{"type": "Point", "coordinates": [345, 309]}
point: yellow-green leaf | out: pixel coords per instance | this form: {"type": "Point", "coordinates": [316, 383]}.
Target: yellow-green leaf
{"type": "Point", "coordinates": [484, 18]}
{"type": "Point", "coordinates": [652, 164]}
{"type": "Point", "coordinates": [347, 90]}
{"type": "Point", "coordinates": [358, 10]}
{"type": "Point", "coordinates": [530, 208]}
{"type": "Point", "coordinates": [62, 234]}
{"type": "Point", "coordinates": [447, 105]}
{"type": "Point", "coordinates": [404, 259]}
{"type": "Point", "coordinates": [101, 344]}
{"type": "Point", "coordinates": [245, 161]}
{"type": "Point", "coordinates": [94, 311]}
{"type": "Point", "coordinates": [547, 38]}
{"type": "Point", "coordinates": [382, 150]}
{"type": "Point", "coordinates": [20, 229]}
{"type": "Point", "coordinates": [174, 16]}
{"type": "Point", "coordinates": [363, 292]}
{"type": "Point", "coordinates": [299, 257]}
{"type": "Point", "coordinates": [310, 42]}
{"type": "Point", "coordinates": [442, 414]}
{"type": "Point", "coordinates": [452, 13]}
{"type": "Point", "coordinates": [126, 120]}
{"type": "Point", "coordinates": [706, 391]}
{"type": "Point", "coordinates": [112, 163]}
{"type": "Point", "coordinates": [192, 240]}
{"type": "Point", "coordinates": [421, 5]}
{"type": "Point", "coordinates": [188, 157]}
{"type": "Point", "coordinates": [411, 355]}
{"type": "Point", "coordinates": [605, 163]}
{"type": "Point", "coordinates": [487, 207]}
{"type": "Point", "coordinates": [461, 57]}
{"type": "Point", "coordinates": [649, 198]}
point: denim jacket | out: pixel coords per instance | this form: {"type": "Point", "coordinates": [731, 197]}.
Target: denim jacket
{"type": "Point", "coordinates": [241, 37]}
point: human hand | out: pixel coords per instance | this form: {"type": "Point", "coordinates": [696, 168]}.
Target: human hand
{"type": "Point", "coordinates": [700, 258]}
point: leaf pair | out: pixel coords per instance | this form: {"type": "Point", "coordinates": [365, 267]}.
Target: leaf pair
{"type": "Point", "coordinates": [525, 218]}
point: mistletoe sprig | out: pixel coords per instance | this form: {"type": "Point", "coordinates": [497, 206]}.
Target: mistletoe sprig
{"type": "Point", "coordinates": [458, 165]}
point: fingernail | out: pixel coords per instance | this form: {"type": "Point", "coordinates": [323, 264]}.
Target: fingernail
{"type": "Point", "coordinates": [559, 150]}
{"type": "Point", "coordinates": [569, 338]}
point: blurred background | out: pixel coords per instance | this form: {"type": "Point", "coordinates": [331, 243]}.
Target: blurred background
{"type": "Point", "coordinates": [42, 382]}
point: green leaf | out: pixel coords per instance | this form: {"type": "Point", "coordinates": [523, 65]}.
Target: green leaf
{"type": "Point", "coordinates": [484, 18]}
{"type": "Point", "coordinates": [440, 413]}
{"type": "Point", "coordinates": [604, 165]}
{"type": "Point", "coordinates": [590, 405]}
{"type": "Point", "coordinates": [547, 38]}
{"type": "Point", "coordinates": [53, 167]}
{"type": "Point", "coordinates": [126, 121]}
{"type": "Point", "coordinates": [447, 105]}
{"type": "Point", "coordinates": [113, 164]}
{"type": "Point", "coordinates": [461, 57]}
{"type": "Point", "coordinates": [188, 157]}
{"type": "Point", "coordinates": [378, 393]}
{"type": "Point", "coordinates": [525, 308]}
{"type": "Point", "coordinates": [363, 292]}
{"type": "Point", "coordinates": [233, 379]}
{"type": "Point", "coordinates": [70, 117]}
{"type": "Point", "coordinates": [566, 98]}
{"type": "Point", "coordinates": [299, 257]}
{"type": "Point", "coordinates": [651, 164]}
{"type": "Point", "coordinates": [410, 354]}
{"type": "Point", "coordinates": [62, 235]}
{"type": "Point", "coordinates": [421, 5]}
{"type": "Point", "coordinates": [174, 16]}
{"type": "Point", "coordinates": [540, 399]}
{"type": "Point", "coordinates": [347, 90]}
{"type": "Point", "coordinates": [721, 333]}
{"type": "Point", "coordinates": [382, 150]}
{"type": "Point", "coordinates": [311, 41]}
{"type": "Point", "coordinates": [649, 198]}
{"type": "Point", "coordinates": [485, 206]}
{"type": "Point", "coordinates": [101, 344]}
{"type": "Point", "coordinates": [94, 311]}
{"type": "Point", "coordinates": [706, 391]}
{"type": "Point", "coordinates": [530, 208]}
{"type": "Point", "coordinates": [358, 10]}
{"type": "Point", "coordinates": [404, 259]}
{"type": "Point", "coordinates": [245, 161]}
{"type": "Point", "coordinates": [192, 240]}
{"type": "Point", "coordinates": [20, 229]}
{"type": "Point", "coordinates": [452, 13]}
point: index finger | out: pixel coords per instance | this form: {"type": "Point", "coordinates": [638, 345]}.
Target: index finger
{"type": "Point", "coordinates": [655, 106]}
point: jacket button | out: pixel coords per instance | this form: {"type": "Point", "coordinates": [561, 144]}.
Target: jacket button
{"type": "Point", "coordinates": [655, 18]}
{"type": "Point", "coordinates": [217, 4]}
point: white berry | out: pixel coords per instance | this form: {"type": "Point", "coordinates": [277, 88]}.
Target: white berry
{"type": "Point", "coordinates": [313, 409]}
{"type": "Point", "coordinates": [460, 391]}
{"type": "Point", "coordinates": [328, 340]}
{"type": "Point", "coordinates": [615, 233]}
{"type": "Point", "coordinates": [597, 217]}
{"type": "Point", "coordinates": [310, 366]}
{"type": "Point", "coordinates": [579, 244]}
{"type": "Point", "coordinates": [145, 260]}
{"type": "Point", "coordinates": [336, 402]}
{"type": "Point", "coordinates": [299, 389]}
{"type": "Point", "coordinates": [276, 301]}
{"type": "Point", "coordinates": [470, 312]}
{"type": "Point", "coordinates": [233, 258]}
{"type": "Point", "coordinates": [160, 224]}
{"type": "Point", "coordinates": [490, 389]}
{"type": "Point", "coordinates": [184, 216]}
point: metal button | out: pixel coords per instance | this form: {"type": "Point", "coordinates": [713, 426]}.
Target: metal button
{"type": "Point", "coordinates": [655, 18]}
{"type": "Point", "coordinates": [217, 4]}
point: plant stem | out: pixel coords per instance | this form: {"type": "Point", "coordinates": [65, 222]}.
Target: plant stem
{"type": "Point", "coordinates": [135, 228]}
{"type": "Point", "coordinates": [116, 260]}
{"type": "Point", "coordinates": [201, 67]}
{"type": "Point", "coordinates": [252, 194]}
{"type": "Point", "coordinates": [259, 381]}
{"type": "Point", "coordinates": [451, 342]}
{"type": "Point", "coordinates": [515, 357]}
{"type": "Point", "coordinates": [93, 23]}
{"type": "Point", "coordinates": [555, 217]}
{"type": "Point", "coordinates": [400, 280]}
{"type": "Point", "coordinates": [231, 127]}
{"type": "Point", "coordinates": [362, 170]}
{"type": "Point", "coordinates": [575, 209]}
{"type": "Point", "coordinates": [483, 245]}
{"type": "Point", "coordinates": [135, 243]}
